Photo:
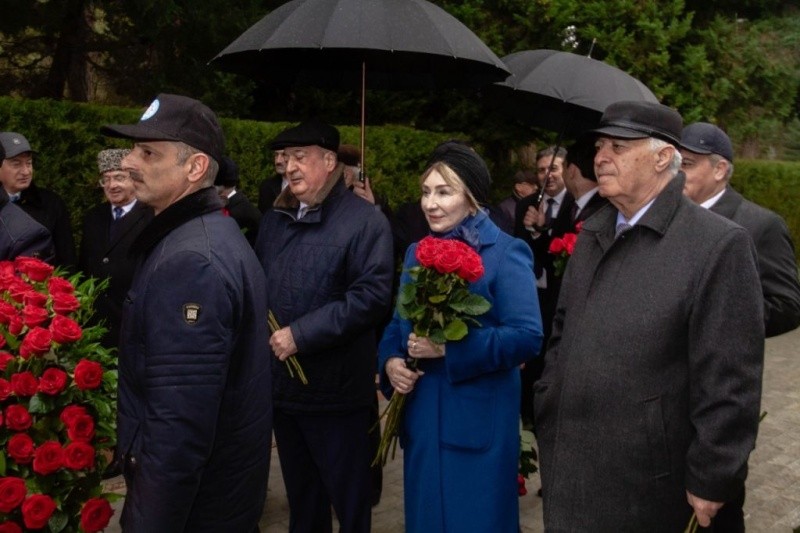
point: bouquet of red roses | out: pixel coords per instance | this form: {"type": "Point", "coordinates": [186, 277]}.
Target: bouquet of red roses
{"type": "Point", "coordinates": [58, 400]}
{"type": "Point", "coordinates": [562, 248]}
{"type": "Point", "coordinates": [439, 306]}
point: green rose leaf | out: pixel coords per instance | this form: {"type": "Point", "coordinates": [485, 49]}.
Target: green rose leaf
{"type": "Point", "coordinates": [58, 521]}
{"type": "Point", "coordinates": [2, 463]}
{"type": "Point", "coordinates": [455, 330]}
{"type": "Point", "coordinates": [37, 405]}
{"type": "Point", "coordinates": [471, 304]}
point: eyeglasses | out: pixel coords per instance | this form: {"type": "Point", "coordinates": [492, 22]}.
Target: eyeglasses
{"type": "Point", "coordinates": [113, 178]}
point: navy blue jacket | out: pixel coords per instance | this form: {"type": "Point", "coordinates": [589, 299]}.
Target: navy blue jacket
{"type": "Point", "coordinates": [21, 235]}
{"type": "Point", "coordinates": [195, 416]}
{"type": "Point", "coordinates": [329, 278]}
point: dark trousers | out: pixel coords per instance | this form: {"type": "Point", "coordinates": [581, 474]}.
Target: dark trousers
{"type": "Point", "coordinates": [325, 462]}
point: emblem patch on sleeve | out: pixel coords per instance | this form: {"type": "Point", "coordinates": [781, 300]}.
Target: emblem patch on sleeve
{"type": "Point", "coordinates": [191, 313]}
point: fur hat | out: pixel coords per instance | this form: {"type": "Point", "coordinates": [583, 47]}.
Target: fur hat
{"type": "Point", "coordinates": [111, 159]}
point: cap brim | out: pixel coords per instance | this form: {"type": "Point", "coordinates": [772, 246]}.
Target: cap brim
{"type": "Point", "coordinates": [136, 132]}
{"type": "Point", "coordinates": [9, 155]}
{"type": "Point", "coordinates": [620, 132]}
{"type": "Point", "coordinates": [695, 149]}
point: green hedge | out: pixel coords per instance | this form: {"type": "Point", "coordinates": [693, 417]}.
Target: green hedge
{"type": "Point", "coordinates": [67, 138]}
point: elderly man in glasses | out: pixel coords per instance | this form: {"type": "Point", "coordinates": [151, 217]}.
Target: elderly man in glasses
{"type": "Point", "coordinates": [109, 229]}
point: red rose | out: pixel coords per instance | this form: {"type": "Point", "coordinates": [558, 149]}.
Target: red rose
{"type": "Point", "coordinates": [33, 315]}
{"type": "Point", "coordinates": [449, 258]}
{"type": "Point", "coordinates": [34, 298]}
{"type": "Point", "coordinates": [18, 418]}
{"type": "Point", "coordinates": [71, 412]}
{"type": "Point", "coordinates": [579, 227]}
{"type": "Point", "coordinates": [65, 303]}
{"type": "Point", "coordinates": [7, 268]}
{"type": "Point", "coordinates": [65, 329]}
{"type": "Point", "coordinates": [35, 269]}
{"type": "Point", "coordinates": [58, 285]}
{"type": "Point", "coordinates": [88, 374]}
{"type": "Point", "coordinates": [12, 493]}
{"type": "Point", "coordinates": [6, 312]}
{"type": "Point", "coordinates": [36, 510]}
{"type": "Point", "coordinates": [95, 515]}
{"type": "Point", "coordinates": [48, 458]}
{"type": "Point", "coordinates": [18, 289]}
{"type": "Point", "coordinates": [81, 429]}
{"type": "Point", "coordinates": [36, 342]}
{"type": "Point", "coordinates": [53, 381]}
{"type": "Point", "coordinates": [569, 242]}
{"type": "Point", "coordinates": [24, 384]}
{"type": "Point", "coordinates": [21, 448]}
{"type": "Point", "coordinates": [521, 489]}
{"type": "Point", "coordinates": [15, 325]}
{"type": "Point", "coordinates": [427, 251]}
{"type": "Point", "coordinates": [471, 268]}
{"type": "Point", "coordinates": [78, 455]}
{"type": "Point", "coordinates": [5, 357]}
{"type": "Point", "coordinates": [5, 389]}
{"type": "Point", "coordinates": [10, 527]}
{"type": "Point", "coordinates": [556, 246]}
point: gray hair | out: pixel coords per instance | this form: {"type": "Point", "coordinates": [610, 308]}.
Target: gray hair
{"type": "Point", "coordinates": [675, 164]}
{"type": "Point", "coordinates": [185, 151]}
{"type": "Point", "coordinates": [550, 150]}
{"type": "Point", "coordinates": [716, 158]}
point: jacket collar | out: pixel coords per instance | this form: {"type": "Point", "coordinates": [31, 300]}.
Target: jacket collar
{"type": "Point", "coordinates": [657, 218]}
{"type": "Point", "coordinates": [3, 197]}
{"type": "Point", "coordinates": [288, 201]}
{"type": "Point", "coordinates": [728, 203]}
{"type": "Point", "coordinates": [187, 208]}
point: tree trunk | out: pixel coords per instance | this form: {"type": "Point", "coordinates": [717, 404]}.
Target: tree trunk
{"type": "Point", "coordinates": [70, 61]}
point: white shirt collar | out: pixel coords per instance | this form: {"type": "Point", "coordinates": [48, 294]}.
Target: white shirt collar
{"type": "Point", "coordinates": [708, 204]}
{"type": "Point", "coordinates": [125, 208]}
{"type": "Point", "coordinates": [636, 216]}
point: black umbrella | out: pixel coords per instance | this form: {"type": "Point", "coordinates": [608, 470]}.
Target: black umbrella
{"type": "Point", "coordinates": [381, 44]}
{"type": "Point", "coordinates": [564, 92]}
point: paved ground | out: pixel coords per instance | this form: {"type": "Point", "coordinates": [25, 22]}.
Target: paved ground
{"type": "Point", "coordinates": [773, 495]}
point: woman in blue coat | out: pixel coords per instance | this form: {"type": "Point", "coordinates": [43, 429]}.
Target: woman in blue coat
{"type": "Point", "coordinates": [460, 431]}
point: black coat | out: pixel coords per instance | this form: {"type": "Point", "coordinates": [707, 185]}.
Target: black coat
{"type": "Point", "coordinates": [776, 260]}
{"type": "Point", "coordinates": [47, 208]}
{"type": "Point", "coordinates": [194, 376]}
{"type": "Point", "coordinates": [268, 191]}
{"type": "Point", "coordinates": [245, 214]}
{"type": "Point", "coordinates": [105, 256]}
{"type": "Point", "coordinates": [329, 278]}
{"type": "Point", "coordinates": [21, 235]}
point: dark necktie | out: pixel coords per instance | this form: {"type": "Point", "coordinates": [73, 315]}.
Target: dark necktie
{"type": "Point", "coordinates": [574, 212]}
{"type": "Point", "coordinates": [622, 227]}
{"type": "Point", "coordinates": [117, 213]}
{"type": "Point", "coordinates": [548, 214]}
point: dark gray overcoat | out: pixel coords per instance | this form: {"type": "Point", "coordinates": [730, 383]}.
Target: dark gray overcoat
{"type": "Point", "coordinates": [652, 383]}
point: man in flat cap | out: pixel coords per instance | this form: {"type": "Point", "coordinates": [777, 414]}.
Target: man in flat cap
{"type": "Point", "coordinates": [109, 229]}
{"type": "Point", "coordinates": [328, 258]}
{"type": "Point", "coordinates": [707, 154]}
{"type": "Point", "coordinates": [43, 205]}
{"type": "Point", "coordinates": [194, 420]}
{"type": "Point", "coordinates": [20, 234]}
{"type": "Point", "coordinates": [648, 407]}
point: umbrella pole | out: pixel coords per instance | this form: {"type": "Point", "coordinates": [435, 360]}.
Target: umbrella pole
{"type": "Point", "coordinates": [363, 113]}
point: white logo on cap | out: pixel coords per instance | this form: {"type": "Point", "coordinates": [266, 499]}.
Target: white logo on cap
{"type": "Point", "coordinates": [16, 140]}
{"type": "Point", "coordinates": [152, 110]}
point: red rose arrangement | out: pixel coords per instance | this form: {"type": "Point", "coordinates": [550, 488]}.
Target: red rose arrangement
{"type": "Point", "coordinates": [57, 402]}
{"type": "Point", "coordinates": [562, 248]}
{"type": "Point", "coordinates": [439, 306]}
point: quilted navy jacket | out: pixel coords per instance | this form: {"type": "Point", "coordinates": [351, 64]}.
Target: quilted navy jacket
{"type": "Point", "coordinates": [195, 416]}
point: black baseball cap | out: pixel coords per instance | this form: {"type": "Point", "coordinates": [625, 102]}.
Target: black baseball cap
{"type": "Point", "coordinates": [309, 133]}
{"type": "Point", "coordinates": [172, 117]}
{"type": "Point", "coordinates": [704, 138]}
{"type": "Point", "coordinates": [638, 120]}
{"type": "Point", "coordinates": [14, 144]}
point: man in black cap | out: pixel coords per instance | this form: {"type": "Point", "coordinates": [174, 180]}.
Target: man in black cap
{"type": "Point", "coordinates": [237, 205]}
{"type": "Point", "coordinates": [328, 258]}
{"type": "Point", "coordinates": [43, 205]}
{"type": "Point", "coordinates": [194, 412]}
{"type": "Point", "coordinates": [708, 164]}
{"type": "Point", "coordinates": [648, 407]}
{"type": "Point", "coordinates": [20, 234]}
{"type": "Point", "coordinates": [270, 188]}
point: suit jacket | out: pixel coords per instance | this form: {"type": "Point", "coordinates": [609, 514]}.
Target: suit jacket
{"type": "Point", "coordinates": [21, 235]}
{"type": "Point", "coordinates": [245, 214]}
{"type": "Point", "coordinates": [776, 260]}
{"type": "Point", "coordinates": [652, 380]}
{"type": "Point", "coordinates": [268, 191]}
{"type": "Point", "coordinates": [595, 204]}
{"type": "Point", "coordinates": [542, 258]}
{"type": "Point", "coordinates": [49, 210]}
{"type": "Point", "coordinates": [102, 256]}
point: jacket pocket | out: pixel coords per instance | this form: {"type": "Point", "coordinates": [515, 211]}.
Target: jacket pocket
{"type": "Point", "coordinates": [467, 419]}
{"type": "Point", "coordinates": [656, 437]}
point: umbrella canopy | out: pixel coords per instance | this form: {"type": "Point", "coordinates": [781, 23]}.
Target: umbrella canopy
{"type": "Point", "coordinates": [381, 44]}
{"type": "Point", "coordinates": [565, 92]}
